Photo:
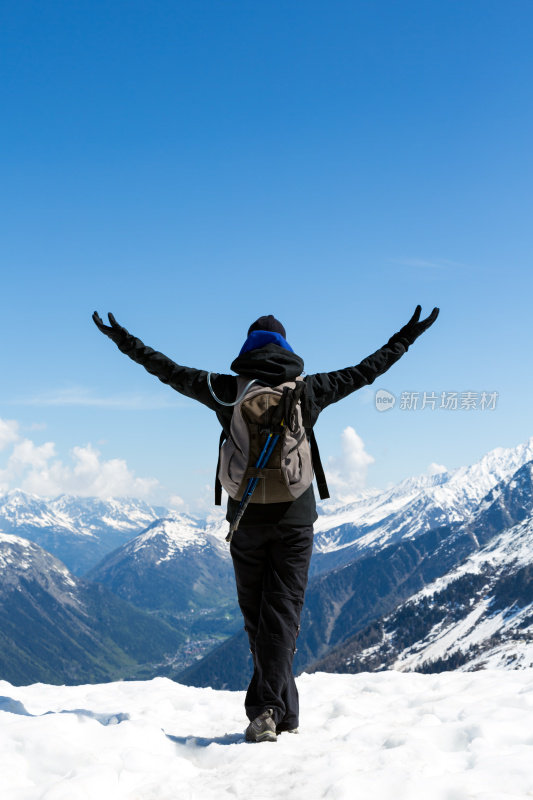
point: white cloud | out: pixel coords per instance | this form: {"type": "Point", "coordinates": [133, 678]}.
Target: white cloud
{"type": "Point", "coordinates": [38, 469]}
{"type": "Point", "coordinates": [203, 503]}
{"type": "Point", "coordinates": [81, 396]}
{"type": "Point", "coordinates": [436, 469]}
{"type": "Point", "coordinates": [27, 455]}
{"type": "Point", "coordinates": [176, 502]}
{"type": "Point", "coordinates": [8, 432]}
{"type": "Point", "coordinates": [430, 263]}
{"type": "Point", "coordinates": [346, 475]}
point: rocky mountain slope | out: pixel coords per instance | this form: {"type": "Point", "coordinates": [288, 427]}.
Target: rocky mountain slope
{"type": "Point", "coordinates": [59, 628]}
{"type": "Point", "coordinates": [477, 615]}
{"type": "Point", "coordinates": [179, 571]}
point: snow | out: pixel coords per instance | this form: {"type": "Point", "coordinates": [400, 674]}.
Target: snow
{"type": "Point", "coordinates": [177, 532]}
{"type": "Point", "coordinates": [18, 555]}
{"type": "Point", "coordinates": [503, 555]}
{"type": "Point", "coordinates": [475, 629]}
{"type": "Point", "coordinates": [82, 516]}
{"type": "Point", "coordinates": [11, 538]}
{"type": "Point", "coordinates": [7, 558]}
{"type": "Point", "coordinates": [389, 736]}
{"type": "Point", "coordinates": [456, 637]}
{"type": "Point", "coordinates": [505, 656]}
{"type": "Point", "coordinates": [175, 535]}
{"type": "Point", "coordinates": [510, 549]}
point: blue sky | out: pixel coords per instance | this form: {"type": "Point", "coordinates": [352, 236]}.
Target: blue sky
{"type": "Point", "coordinates": [191, 166]}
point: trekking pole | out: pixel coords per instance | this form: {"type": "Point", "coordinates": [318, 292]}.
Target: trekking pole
{"type": "Point", "coordinates": [262, 461]}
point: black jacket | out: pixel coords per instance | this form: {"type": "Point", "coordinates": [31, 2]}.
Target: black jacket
{"type": "Point", "coordinates": [272, 365]}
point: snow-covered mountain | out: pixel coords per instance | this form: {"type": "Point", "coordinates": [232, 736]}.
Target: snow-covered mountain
{"type": "Point", "coordinates": [174, 565]}
{"type": "Point", "coordinates": [373, 556]}
{"type": "Point", "coordinates": [177, 569]}
{"type": "Point", "coordinates": [492, 626]}
{"type": "Point", "coordinates": [411, 507]}
{"type": "Point", "coordinates": [479, 614]}
{"type": "Point", "coordinates": [82, 531]}
{"type": "Point", "coordinates": [59, 628]}
{"type": "Point", "coordinates": [22, 561]}
{"type": "Point", "coordinates": [183, 574]}
{"type": "Point", "coordinates": [344, 607]}
{"type": "Point", "coordinates": [78, 530]}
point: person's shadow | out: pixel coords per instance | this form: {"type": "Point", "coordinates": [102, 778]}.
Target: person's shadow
{"type": "Point", "coordinates": [16, 707]}
{"type": "Point", "coordinates": [205, 741]}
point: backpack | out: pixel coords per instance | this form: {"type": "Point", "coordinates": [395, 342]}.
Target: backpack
{"type": "Point", "coordinates": [269, 444]}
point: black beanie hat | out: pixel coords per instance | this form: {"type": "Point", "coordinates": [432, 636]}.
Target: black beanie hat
{"type": "Point", "coordinates": [268, 323]}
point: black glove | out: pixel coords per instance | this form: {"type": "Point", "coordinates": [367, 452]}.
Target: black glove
{"type": "Point", "coordinates": [414, 327]}
{"type": "Point", "coordinates": [116, 332]}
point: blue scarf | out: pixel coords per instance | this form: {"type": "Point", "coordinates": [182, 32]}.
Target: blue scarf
{"type": "Point", "coordinates": [260, 338]}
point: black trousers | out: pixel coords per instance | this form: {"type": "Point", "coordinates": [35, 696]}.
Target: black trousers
{"type": "Point", "coordinates": [271, 564]}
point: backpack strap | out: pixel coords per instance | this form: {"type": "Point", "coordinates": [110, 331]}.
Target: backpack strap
{"type": "Point", "coordinates": [318, 468]}
{"type": "Point", "coordinates": [218, 485]}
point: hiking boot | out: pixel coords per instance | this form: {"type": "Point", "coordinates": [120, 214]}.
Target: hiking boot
{"type": "Point", "coordinates": [262, 728]}
{"type": "Point", "coordinates": [286, 730]}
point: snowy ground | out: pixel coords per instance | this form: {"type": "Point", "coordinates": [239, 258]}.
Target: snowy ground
{"type": "Point", "coordinates": [384, 736]}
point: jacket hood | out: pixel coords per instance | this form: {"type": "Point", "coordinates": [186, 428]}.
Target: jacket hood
{"type": "Point", "coordinates": [271, 364]}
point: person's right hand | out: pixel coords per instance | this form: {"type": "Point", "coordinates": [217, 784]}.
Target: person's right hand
{"type": "Point", "coordinates": [115, 331]}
